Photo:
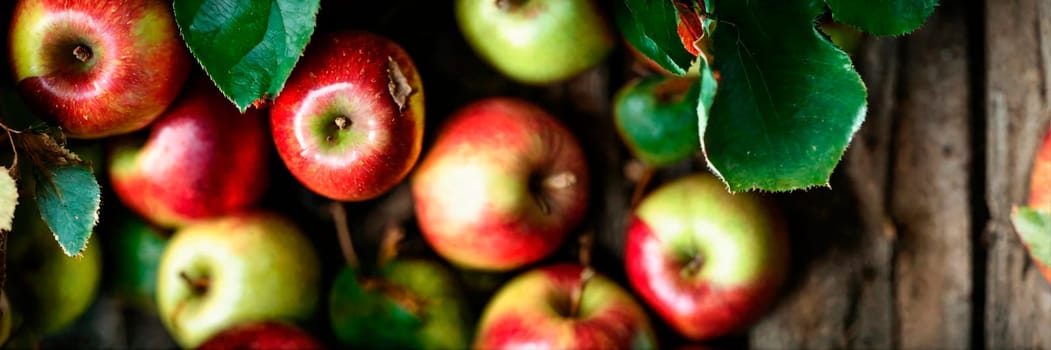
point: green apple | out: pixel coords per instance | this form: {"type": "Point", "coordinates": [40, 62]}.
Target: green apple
{"type": "Point", "coordinates": [411, 304]}
{"type": "Point", "coordinates": [135, 249]}
{"type": "Point", "coordinates": [47, 287]}
{"type": "Point", "coordinates": [536, 41]}
{"type": "Point", "coordinates": [235, 269]}
{"type": "Point", "coordinates": [656, 118]}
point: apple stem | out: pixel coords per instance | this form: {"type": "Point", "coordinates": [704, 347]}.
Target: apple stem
{"type": "Point", "coordinates": [644, 182]}
{"type": "Point", "coordinates": [694, 264]}
{"type": "Point", "coordinates": [509, 5]}
{"type": "Point", "coordinates": [342, 122]}
{"type": "Point", "coordinates": [339, 216]}
{"type": "Point", "coordinates": [198, 285]}
{"type": "Point", "coordinates": [578, 293]}
{"type": "Point", "coordinates": [82, 53]}
{"type": "Point", "coordinates": [389, 246]}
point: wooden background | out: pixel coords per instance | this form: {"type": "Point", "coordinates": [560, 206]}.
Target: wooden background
{"type": "Point", "coordinates": [911, 247]}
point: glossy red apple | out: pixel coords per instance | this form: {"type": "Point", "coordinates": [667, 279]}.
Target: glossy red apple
{"type": "Point", "coordinates": [707, 261]}
{"type": "Point", "coordinates": [203, 159]}
{"type": "Point", "coordinates": [550, 308]}
{"type": "Point", "coordinates": [267, 335]}
{"type": "Point", "coordinates": [97, 68]}
{"type": "Point", "coordinates": [349, 123]}
{"type": "Point", "coordinates": [501, 187]}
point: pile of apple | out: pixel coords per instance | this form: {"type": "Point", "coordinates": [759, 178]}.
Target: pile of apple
{"type": "Point", "coordinates": [502, 187]}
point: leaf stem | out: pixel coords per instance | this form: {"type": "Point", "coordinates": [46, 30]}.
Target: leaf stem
{"type": "Point", "coordinates": [339, 216]}
{"type": "Point", "coordinates": [644, 182]}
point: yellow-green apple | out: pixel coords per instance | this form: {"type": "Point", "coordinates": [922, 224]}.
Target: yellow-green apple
{"type": "Point", "coordinates": [134, 251]}
{"type": "Point", "coordinates": [536, 41]}
{"type": "Point", "coordinates": [409, 304]}
{"type": "Point", "coordinates": [5, 318]}
{"type": "Point", "coordinates": [251, 266]}
{"type": "Point", "coordinates": [202, 159]}
{"type": "Point", "coordinates": [97, 68]}
{"type": "Point", "coordinates": [47, 288]}
{"type": "Point", "coordinates": [349, 122]}
{"type": "Point", "coordinates": [655, 117]}
{"type": "Point", "coordinates": [553, 308]}
{"type": "Point", "coordinates": [707, 261]}
{"type": "Point", "coordinates": [265, 335]}
{"type": "Point", "coordinates": [501, 187]}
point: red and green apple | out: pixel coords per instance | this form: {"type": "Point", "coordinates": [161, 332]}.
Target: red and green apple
{"type": "Point", "coordinates": [349, 122]}
{"type": "Point", "coordinates": [97, 68]}
{"type": "Point", "coordinates": [1033, 223]}
{"type": "Point", "coordinates": [706, 261]}
{"type": "Point", "coordinates": [556, 307]}
{"type": "Point", "coordinates": [218, 273]}
{"type": "Point", "coordinates": [263, 335]}
{"type": "Point", "coordinates": [536, 41]}
{"type": "Point", "coordinates": [202, 159]}
{"type": "Point", "coordinates": [501, 187]}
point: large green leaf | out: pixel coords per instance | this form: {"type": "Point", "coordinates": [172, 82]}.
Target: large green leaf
{"type": "Point", "coordinates": [247, 47]}
{"type": "Point", "coordinates": [788, 103]}
{"type": "Point", "coordinates": [1034, 228]}
{"type": "Point", "coordinates": [8, 199]}
{"type": "Point", "coordinates": [68, 198]}
{"type": "Point", "coordinates": [884, 17]}
{"type": "Point", "coordinates": [650, 26]}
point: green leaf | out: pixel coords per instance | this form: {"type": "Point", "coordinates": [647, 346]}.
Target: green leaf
{"type": "Point", "coordinates": [68, 198]}
{"type": "Point", "coordinates": [248, 48]}
{"type": "Point", "coordinates": [788, 103]}
{"type": "Point", "coordinates": [1034, 229]}
{"type": "Point", "coordinates": [650, 26]}
{"type": "Point", "coordinates": [884, 17]}
{"type": "Point", "coordinates": [8, 199]}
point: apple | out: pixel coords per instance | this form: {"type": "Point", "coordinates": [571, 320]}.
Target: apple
{"type": "Point", "coordinates": [97, 69]}
{"type": "Point", "coordinates": [49, 289]}
{"type": "Point", "coordinates": [553, 307]}
{"type": "Point", "coordinates": [245, 267]}
{"type": "Point", "coordinates": [536, 41]}
{"type": "Point", "coordinates": [410, 304]}
{"type": "Point", "coordinates": [706, 261]}
{"type": "Point", "coordinates": [349, 122]}
{"type": "Point", "coordinates": [502, 186]}
{"type": "Point", "coordinates": [1040, 180]}
{"type": "Point", "coordinates": [203, 159]}
{"type": "Point", "coordinates": [134, 248]}
{"type": "Point", "coordinates": [655, 117]}
{"type": "Point", "coordinates": [267, 335]}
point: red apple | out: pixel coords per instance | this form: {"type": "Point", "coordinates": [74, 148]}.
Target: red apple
{"type": "Point", "coordinates": [707, 261]}
{"type": "Point", "coordinates": [97, 68]}
{"type": "Point", "coordinates": [203, 159]}
{"type": "Point", "coordinates": [501, 187]}
{"type": "Point", "coordinates": [268, 335]}
{"type": "Point", "coordinates": [1040, 181]}
{"type": "Point", "coordinates": [550, 308]}
{"type": "Point", "coordinates": [349, 123]}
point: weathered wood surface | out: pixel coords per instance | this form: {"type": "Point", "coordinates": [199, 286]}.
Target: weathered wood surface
{"type": "Point", "coordinates": [1018, 105]}
{"type": "Point", "coordinates": [910, 247]}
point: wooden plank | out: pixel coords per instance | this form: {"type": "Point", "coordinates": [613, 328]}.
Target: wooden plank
{"type": "Point", "coordinates": [1018, 104]}
{"type": "Point", "coordinates": [931, 187]}
{"type": "Point", "coordinates": [841, 294]}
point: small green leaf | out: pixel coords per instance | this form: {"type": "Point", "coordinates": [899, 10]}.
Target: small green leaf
{"type": "Point", "coordinates": [1034, 229]}
{"type": "Point", "coordinates": [68, 198]}
{"type": "Point", "coordinates": [650, 26]}
{"type": "Point", "coordinates": [248, 48]}
{"type": "Point", "coordinates": [788, 103]}
{"type": "Point", "coordinates": [885, 17]}
{"type": "Point", "coordinates": [8, 199]}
